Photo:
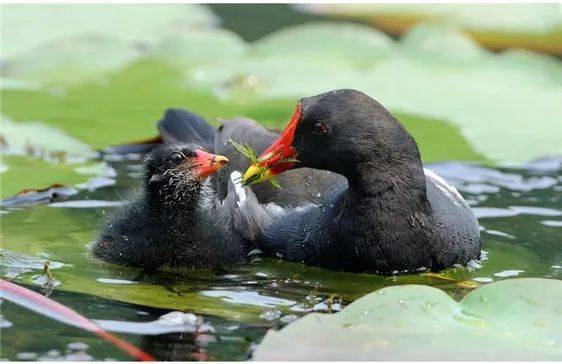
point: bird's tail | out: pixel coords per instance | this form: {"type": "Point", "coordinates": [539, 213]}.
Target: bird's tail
{"type": "Point", "coordinates": [176, 126]}
{"type": "Point", "coordinates": [182, 126]}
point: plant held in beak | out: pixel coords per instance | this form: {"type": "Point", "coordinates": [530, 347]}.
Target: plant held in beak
{"type": "Point", "coordinates": [257, 173]}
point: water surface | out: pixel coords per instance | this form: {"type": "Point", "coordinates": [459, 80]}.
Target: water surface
{"type": "Point", "coordinates": [519, 213]}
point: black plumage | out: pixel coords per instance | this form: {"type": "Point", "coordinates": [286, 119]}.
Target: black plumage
{"type": "Point", "coordinates": [176, 220]}
{"type": "Point", "coordinates": [391, 217]}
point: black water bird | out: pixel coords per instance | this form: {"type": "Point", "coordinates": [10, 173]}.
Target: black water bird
{"type": "Point", "coordinates": [176, 221]}
{"type": "Point", "coordinates": [391, 216]}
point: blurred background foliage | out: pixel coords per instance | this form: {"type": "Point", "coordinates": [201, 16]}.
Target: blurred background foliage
{"type": "Point", "coordinates": [98, 75]}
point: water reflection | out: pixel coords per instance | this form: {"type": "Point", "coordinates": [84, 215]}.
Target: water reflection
{"type": "Point", "coordinates": [518, 209]}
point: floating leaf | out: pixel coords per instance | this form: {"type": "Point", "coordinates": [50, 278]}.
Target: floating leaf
{"type": "Point", "coordinates": [358, 44]}
{"type": "Point", "coordinates": [72, 59]}
{"type": "Point", "coordinates": [29, 26]}
{"type": "Point", "coordinates": [44, 142]}
{"type": "Point", "coordinates": [517, 319]}
{"type": "Point", "coordinates": [497, 26]}
{"type": "Point", "coordinates": [186, 49]}
{"type": "Point", "coordinates": [29, 197]}
{"type": "Point", "coordinates": [437, 60]}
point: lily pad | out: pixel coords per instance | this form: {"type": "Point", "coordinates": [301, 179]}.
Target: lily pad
{"type": "Point", "coordinates": [72, 59]}
{"type": "Point", "coordinates": [32, 173]}
{"type": "Point", "coordinates": [69, 44]}
{"type": "Point", "coordinates": [517, 319]}
{"type": "Point", "coordinates": [355, 43]}
{"type": "Point", "coordinates": [497, 26]}
{"type": "Point", "coordinates": [35, 139]}
{"type": "Point", "coordinates": [186, 49]}
{"type": "Point", "coordinates": [436, 72]}
{"type": "Point", "coordinates": [25, 27]}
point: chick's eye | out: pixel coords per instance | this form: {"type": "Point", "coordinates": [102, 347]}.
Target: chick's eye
{"type": "Point", "coordinates": [176, 158]}
{"type": "Point", "coordinates": [321, 128]}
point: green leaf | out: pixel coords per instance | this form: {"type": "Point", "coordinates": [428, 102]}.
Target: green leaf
{"type": "Point", "coordinates": [69, 44]}
{"type": "Point", "coordinates": [245, 150]}
{"type": "Point", "coordinates": [275, 183]}
{"type": "Point", "coordinates": [72, 60]}
{"type": "Point", "coordinates": [31, 173]}
{"type": "Point", "coordinates": [436, 72]}
{"type": "Point", "coordinates": [26, 27]}
{"type": "Point", "coordinates": [517, 319]}
{"type": "Point", "coordinates": [360, 45]}
{"type": "Point", "coordinates": [497, 26]}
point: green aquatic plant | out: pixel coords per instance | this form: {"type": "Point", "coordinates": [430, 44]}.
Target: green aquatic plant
{"type": "Point", "coordinates": [249, 153]}
{"type": "Point", "coordinates": [246, 150]}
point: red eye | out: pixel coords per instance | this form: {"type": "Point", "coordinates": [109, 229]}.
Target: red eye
{"type": "Point", "coordinates": [321, 128]}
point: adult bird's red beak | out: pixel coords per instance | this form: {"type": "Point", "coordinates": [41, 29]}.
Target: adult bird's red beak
{"type": "Point", "coordinates": [207, 163]}
{"type": "Point", "coordinates": [278, 157]}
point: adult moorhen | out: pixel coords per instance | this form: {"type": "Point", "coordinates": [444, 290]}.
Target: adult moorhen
{"type": "Point", "coordinates": [394, 216]}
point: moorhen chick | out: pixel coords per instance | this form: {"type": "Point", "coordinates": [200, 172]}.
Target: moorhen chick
{"type": "Point", "coordinates": [391, 215]}
{"type": "Point", "coordinates": [176, 220]}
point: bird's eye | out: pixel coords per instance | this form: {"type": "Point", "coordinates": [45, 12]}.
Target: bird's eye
{"type": "Point", "coordinates": [321, 128]}
{"type": "Point", "coordinates": [176, 158]}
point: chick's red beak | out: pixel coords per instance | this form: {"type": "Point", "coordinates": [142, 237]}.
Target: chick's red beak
{"type": "Point", "coordinates": [207, 163]}
{"type": "Point", "coordinates": [282, 148]}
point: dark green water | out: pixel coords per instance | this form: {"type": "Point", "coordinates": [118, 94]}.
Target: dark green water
{"type": "Point", "coordinates": [519, 211]}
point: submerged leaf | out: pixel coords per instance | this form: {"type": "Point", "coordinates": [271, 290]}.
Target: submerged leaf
{"type": "Point", "coordinates": [29, 197]}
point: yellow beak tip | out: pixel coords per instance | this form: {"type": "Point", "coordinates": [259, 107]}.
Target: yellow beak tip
{"type": "Point", "coordinates": [220, 159]}
{"type": "Point", "coordinates": [255, 174]}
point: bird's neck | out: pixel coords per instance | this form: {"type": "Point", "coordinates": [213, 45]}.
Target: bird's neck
{"type": "Point", "coordinates": [181, 202]}
{"type": "Point", "coordinates": [386, 194]}
{"type": "Point", "coordinates": [383, 210]}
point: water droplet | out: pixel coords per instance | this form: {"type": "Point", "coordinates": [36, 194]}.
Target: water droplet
{"type": "Point", "coordinates": [270, 315]}
{"type": "Point", "coordinates": [427, 306]}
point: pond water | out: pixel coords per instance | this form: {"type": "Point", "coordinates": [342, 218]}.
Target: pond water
{"type": "Point", "coordinates": [519, 206]}
{"type": "Point", "coordinates": [519, 213]}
